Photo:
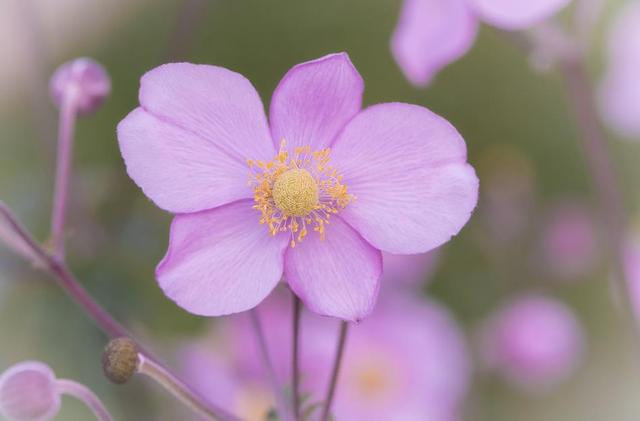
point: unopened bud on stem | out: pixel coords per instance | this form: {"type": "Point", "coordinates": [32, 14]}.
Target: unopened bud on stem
{"type": "Point", "coordinates": [120, 360]}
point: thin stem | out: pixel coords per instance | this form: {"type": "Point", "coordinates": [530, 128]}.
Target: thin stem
{"type": "Point", "coordinates": [66, 128]}
{"type": "Point", "coordinates": [278, 391]}
{"type": "Point", "coordinates": [612, 211]}
{"type": "Point", "coordinates": [178, 389]}
{"type": "Point", "coordinates": [68, 282]}
{"type": "Point", "coordinates": [335, 372]}
{"type": "Point", "coordinates": [86, 396]}
{"type": "Point", "coordinates": [295, 356]}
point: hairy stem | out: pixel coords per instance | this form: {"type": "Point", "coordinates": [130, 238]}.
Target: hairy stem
{"type": "Point", "coordinates": [66, 128]}
{"type": "Point", "coordinates": [178, 389]}
{"type": "Point", "coordinates": [335, 372]}
{"type": "Point", "coordinates": [86, 396]}
{"type": "Point", "coordinates": [41, 259]}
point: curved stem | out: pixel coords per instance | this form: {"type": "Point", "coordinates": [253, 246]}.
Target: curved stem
{"type": "Point", "coordinates": [68, 282]}
{"type": "Point", "coordinates": [335, 372]}
{"type": "Point", "coordinates": [283, 409]}
{"type": "Point", "coordinates": [84, 394]}
{"type": "Point", "coordinates": [178, 389]}
{"type": "Point", "coordinates": [295, 356]}
{"type": "Point", "coordinates": [66, 128]}
{"type": "Point", "coordinates": [612, 210]}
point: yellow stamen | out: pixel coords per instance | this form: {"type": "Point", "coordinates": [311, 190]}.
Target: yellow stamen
{"type": "Point", "coordinates": [295, 191]}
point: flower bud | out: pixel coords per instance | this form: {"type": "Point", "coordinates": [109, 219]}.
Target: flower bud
{"type": "Point", "coordinates": [28, 391]}
{"type": "Point", "coordinates": [84, 78]}
{"type": "Point", "coordinates": [120, 360]}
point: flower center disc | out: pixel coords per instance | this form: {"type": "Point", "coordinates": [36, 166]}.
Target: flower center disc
{"type": "Point", "coordinates": [295, 192]}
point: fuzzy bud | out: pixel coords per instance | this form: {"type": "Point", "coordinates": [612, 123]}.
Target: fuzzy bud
{"type": "Point", "coordinates": [28, 391]}
{"type": "Point", "coordinates": [120, 360]}
{"type": "Point", "coordinates": [84, 78]}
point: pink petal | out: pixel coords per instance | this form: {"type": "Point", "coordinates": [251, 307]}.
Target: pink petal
{"type": "Point", "coordinates": [336, 277]}
{"type": "Point", "coordinates": [516, 15]}
{"type": "Point", "coordinates": [221, 261]}
{"type": "Point", "coordinates": [407, 168]}
{"type": "Point", "coordinates": [314, 100]}
{"type": "Point", "coordinates": [28, 391]}
{"type": "Point", "coordinates": [178, 169]}
{"type": "Point", "coordinates": [430, 35]}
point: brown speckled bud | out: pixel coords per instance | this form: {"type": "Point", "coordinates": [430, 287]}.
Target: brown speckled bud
{"type": "Point", "coordinates": [120, 360]}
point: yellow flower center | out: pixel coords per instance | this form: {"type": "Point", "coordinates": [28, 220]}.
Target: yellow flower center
{"type": "Point", "coordinates": [297, 192]}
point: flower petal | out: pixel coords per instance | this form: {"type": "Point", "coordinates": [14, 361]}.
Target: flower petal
{"type": "Point", "coordinates": [338, 276]}
{"type": "Point", "coordinates": [516, 15]}
{"type": "Point", "coordinates": [430, 35]}
{"type": "Point", "coordinates": [221, 261]}
{"type": "Point", "coordinates": [220, 106]}
{"type": "Point", "coordinates": [407, 168]}
{"type": "Point", "coordinates": [314, 101]}
{"type": "Point", "coordinates": [176, 168]}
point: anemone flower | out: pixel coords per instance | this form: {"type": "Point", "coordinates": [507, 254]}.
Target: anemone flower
{"type": "Point", "coordinates": [315, 194]}
{"type": "Point", "coordinates": [431, 34]}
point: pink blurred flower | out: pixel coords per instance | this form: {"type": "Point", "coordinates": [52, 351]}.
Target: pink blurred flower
{"type": "Point", "coordinates": [632, 272]}
{"type": "Point", "coordinates": [569, 244]}
{"type": "Point", "coordinates": [534, 342]}
{"type": "Point", "coordinates": [392, 177]}
{"type": "Point", "coordinates": [620, 89]}
{"type": "Point", "coordinates": [407, 361]}
{"type": "Point", "coordinates": [83, 81]}
{"type": "Point", "coordinates": [432, 34]}
{"type": "Point", "coordinates": [28, 392]}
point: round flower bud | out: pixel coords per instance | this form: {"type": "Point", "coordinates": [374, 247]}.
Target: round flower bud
{"type": "Point", "coordinates": [28, 391]}
{"type": "Point", "coordinates": [84, 78]}
{"type": "Point", "coordinates": [120, 360]}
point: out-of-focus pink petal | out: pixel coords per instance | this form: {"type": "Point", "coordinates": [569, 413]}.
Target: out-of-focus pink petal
{"type": "Point", "coordinates": [412, 271]}
{"type": "Point", "coordinates": [624, 37]}
{"type": "Point", "coordinates": [407, 168]}
{"type": "Point", "coordinates": [620, 100]}
{"type": "Point", "coordinates": [534, 342]}
{"type": "Point", "coordinates": [338, 276]}
{"type": "Point", "coordinates": [619, 89]}
{"type": "Point", "coordinates": [221, 261]}
{"type": "Point", "coordinates": [178, 169]}
{"type": "Point", "coordinates": [632, 272]}
{"type": "Point", "coordinates": [516, 15]}
{"type": "Point", "coordinates": [314, 101]}
{"type": "Point", "coordinates": [430, 35]}
{"type": "Point", "coordinates": [28, 391]}
{"type": "Point", "coordinates": [569, 243]}
{"type": "Point", "coordinates": [386, 374]}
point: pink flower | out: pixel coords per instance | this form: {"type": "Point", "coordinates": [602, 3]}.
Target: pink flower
{"type": "Point", "coordinates": [330, 185]}
{"type": "Point", "coordinates": [432, 34]}
{"type": "Point", "coordinates": [569, 243]}
{"type": "Point", "coordinates": [28, 391]}
{"type": "Point", "coordinates": [407, 361]}
{"type": "Point", "coordinates": [632, 272]}
{"type": "Point", "coordinates": [534, 342]}
{"type": "Point", "coordinates": [619, 89]}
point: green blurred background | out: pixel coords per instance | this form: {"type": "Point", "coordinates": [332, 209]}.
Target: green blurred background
{"type": "Point", "coordinates": [116, 236]}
